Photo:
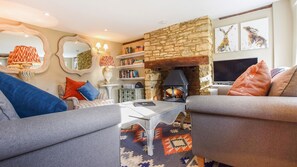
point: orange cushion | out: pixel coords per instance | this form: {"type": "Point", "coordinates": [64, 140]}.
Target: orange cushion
{"type": "Point", "coordinates": [71, 89]}
{"type": "Point", "coordinates": [255, 81]}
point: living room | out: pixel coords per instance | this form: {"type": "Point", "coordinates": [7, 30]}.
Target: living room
{"type": "Point", "coordinates": [118, 84]}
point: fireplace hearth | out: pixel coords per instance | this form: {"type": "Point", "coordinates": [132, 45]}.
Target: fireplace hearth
{"type": "Point", "coordinates": [175, 86]}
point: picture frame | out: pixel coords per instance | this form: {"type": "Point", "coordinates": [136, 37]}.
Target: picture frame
{"type": "Point", "coordinates": [226, 38]}
{"type": "Point", "coordinates": [255, 34]}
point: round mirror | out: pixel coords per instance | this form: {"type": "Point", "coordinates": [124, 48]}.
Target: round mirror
{"type": "Point", "coordinates": [15, 41]}
{"type": "Point", "coordinates": [75, 54]}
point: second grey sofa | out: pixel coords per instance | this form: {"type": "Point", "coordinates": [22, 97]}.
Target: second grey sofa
{"type": "Point", "coordinates": [79, 138]}
{"type": "Point", "coordinates": [248, 131]}
{"type": "Point", "coordinates": [245, 131]}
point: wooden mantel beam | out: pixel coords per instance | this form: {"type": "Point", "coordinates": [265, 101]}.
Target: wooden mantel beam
{"type": "Point", "coordinates": [177, 62]}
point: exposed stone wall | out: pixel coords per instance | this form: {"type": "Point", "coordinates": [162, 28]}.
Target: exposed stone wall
{"type": "Point", "coordinates": [191, 38]}
{"type": "Point", "coordinates": [188, 39]}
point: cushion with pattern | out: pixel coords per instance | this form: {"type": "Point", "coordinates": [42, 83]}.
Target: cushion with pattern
{"type": "Point", "coordinates": [255, 81]}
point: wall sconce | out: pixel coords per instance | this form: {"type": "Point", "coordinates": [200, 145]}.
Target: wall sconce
{"type": "Point", "coordinates": [23, 57]}
{"type": "Point", "coordinates": [105, 46]}
{"type": "Point", "coordinates": [98, 46]}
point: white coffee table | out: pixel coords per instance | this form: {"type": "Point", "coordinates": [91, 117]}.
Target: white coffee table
{"type": "Point", "coordinates": [149, 117]}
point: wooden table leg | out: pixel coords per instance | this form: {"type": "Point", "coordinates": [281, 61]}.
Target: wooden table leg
{"type": "Point", "coordinates": [200, 161]}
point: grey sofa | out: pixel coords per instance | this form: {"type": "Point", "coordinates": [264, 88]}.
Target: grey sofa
{"type": "Point", "coordinates": [245, 131]}
{"type": "Point", "coordinates": [79, 138]}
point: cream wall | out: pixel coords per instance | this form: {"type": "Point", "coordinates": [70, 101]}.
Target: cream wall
{"type": "Point", "coordinates": [280, 48]}
{"type": "Point", "coordinates": [55, 75]}
{"type": "Point", "coordinates": [294, 13]}
{"type": "Point", "coordinates": [283, 33]}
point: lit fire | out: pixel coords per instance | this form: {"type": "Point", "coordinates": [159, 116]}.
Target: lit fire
{"type": "Point", "coordinates": [176, 92]}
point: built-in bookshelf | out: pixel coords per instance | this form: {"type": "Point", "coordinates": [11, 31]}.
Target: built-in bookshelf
{"type": "Point", "coordinates": [129, 66]}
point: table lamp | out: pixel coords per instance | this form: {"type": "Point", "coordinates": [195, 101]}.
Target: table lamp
{"type": "Point", "coordinates": [107, 62]}
{"type": "Point", "coordinates": [23, 57]}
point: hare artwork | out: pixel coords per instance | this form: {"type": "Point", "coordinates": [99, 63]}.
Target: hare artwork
{"type": "Point", "coordinates": [254, 38]}
{"type": "Point", "coordinates": [255, 34]}
{"type": "Point", "coordinates": [225, 43]}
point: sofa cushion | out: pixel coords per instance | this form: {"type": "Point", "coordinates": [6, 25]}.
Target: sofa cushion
{"type": "Point", "coordinates": [7, 112]}
{"type": "Point", "coordinates": [88, 91]}
{"type": "Point", "coordinates": [284, 84]}
{"type": "Point", "coordinates": [28, 100]}
{"type": "Point", "coordinates": [71, 89]}
{"type": "Point", "coordinates": [255, 81]}
{"type": "Point", "coordinates": [278, 70]}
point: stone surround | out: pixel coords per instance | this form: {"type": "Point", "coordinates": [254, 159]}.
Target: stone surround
{"type": "Point", "coordinates": [188, 46]}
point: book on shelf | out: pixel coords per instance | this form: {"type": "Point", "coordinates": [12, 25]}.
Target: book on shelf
{"type": "Point", "coordinates": [138, 61]}
{"type": "Point", "coordinates": [130, 61]}
{"type": "Point", "coordinates": [128, 74]}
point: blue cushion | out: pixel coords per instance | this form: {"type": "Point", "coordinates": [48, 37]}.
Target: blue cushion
{"type": "Point", "coordinates": [88, 91]}
{"type": "Point", "coordinates": [28, 100]}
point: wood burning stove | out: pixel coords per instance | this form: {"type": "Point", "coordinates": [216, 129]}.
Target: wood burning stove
{"type": "Point", "coordinates": [175, 86]}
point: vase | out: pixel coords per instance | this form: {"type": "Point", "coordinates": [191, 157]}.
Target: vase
{"type": "Point", "coordinates": [107, 73]}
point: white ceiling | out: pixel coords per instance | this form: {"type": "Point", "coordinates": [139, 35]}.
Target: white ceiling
{"type": "Point", "coordinates": [125, 20]}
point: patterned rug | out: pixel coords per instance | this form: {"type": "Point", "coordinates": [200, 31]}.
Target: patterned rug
{"type": "Point", "coordinates": [172, 148]}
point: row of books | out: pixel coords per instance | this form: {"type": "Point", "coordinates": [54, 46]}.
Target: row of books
{"type": "Point", "coordinates": [130, 61]}
{"type": "Point", "coordinates": [128, 74]}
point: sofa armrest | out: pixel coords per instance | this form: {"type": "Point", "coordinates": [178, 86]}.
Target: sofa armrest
{"type": "Point", "coordinates": [61, 90]}
{"type": "Point", "coordinates": [103, 94]}
{"type": "Point", "coordinates": [71, 102]}
{"type": "Point", "coordinates": [256, 107]}
{"type": "Point", "coordinates": [29, 134]}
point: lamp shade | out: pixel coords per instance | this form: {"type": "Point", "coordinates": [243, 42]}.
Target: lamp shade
{"type": "Point", "coordinates": [106, 60]}
{"type": "Point", "coordinates": [23, 55]}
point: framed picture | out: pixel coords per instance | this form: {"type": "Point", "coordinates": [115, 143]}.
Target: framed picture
{"type": "Point", "coordinates": [226, 39]}
{"type": "Point", "coordinates": [254, 34]}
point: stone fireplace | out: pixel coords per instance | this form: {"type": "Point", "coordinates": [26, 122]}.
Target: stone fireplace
{"type": "Point", "coordinates": [186, 46]}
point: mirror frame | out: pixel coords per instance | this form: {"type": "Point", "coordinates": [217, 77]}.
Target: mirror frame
{"type": "Point", "coordinates": [46, 48]}
{"type": "Point", "coordinates": [61, 58]}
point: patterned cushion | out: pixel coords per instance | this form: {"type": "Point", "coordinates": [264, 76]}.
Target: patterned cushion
{"type": "Point", "coordinates": [255, 81]}
{"type": "Point", "coordinates": [278, 70]}
{"type": "Point", "coordinates": [94, 103]}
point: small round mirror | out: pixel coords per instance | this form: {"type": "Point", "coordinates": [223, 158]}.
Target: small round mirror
{"type": "Point", "coordinates": [76, 55]}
